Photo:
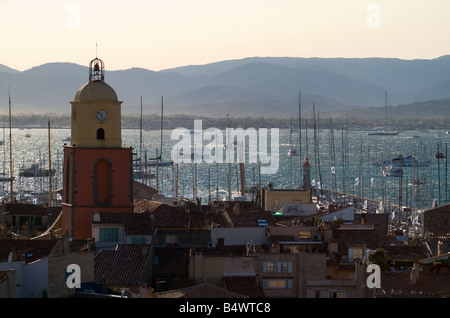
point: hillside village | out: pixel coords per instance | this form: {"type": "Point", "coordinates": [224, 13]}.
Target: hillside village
{"type": "Point", "coordinates": [112, 236]}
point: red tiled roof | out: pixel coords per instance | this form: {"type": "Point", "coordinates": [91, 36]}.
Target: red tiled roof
{"type": "Point", "coordinates": [248, 215]}
{"type": "Point", "coordinates": [167, 216]}
{"type": "Point", "coordinates": [26, 209]}
{"type": "Point", "coordinates": [406, 252]}
{"type": "Point", "coordinates": [434, 240]}
{"type": "Point", "coordinates": [170, 261]}
{"type": "Point", "coordinates": [427, 283]}
{"type": "Point", "coordinates": [244, 285]}
{"type": "Point", "coordinates": [28, 250]}
{"type": "Point", "coordinates": [146, 206]}
{"type": "Point", "coordinates": [380, 220]}
{"type": "Point", "coordinates": [122, 266]}
{"type": "Point", "coordinates": [390, 240]}
{"type": "Point", "coordinates": [134, 223]}
{"type": "Point", "coordinates": [348, 237]}
{"type": "Point", "coordinates": [229, 250]}
{"type": "Point", "coordinates": [205, 290]}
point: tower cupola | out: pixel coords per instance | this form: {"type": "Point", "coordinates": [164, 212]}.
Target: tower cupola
{"type": "Point", "coordinates": [96, 70]}
{"type": "Point", "coordinates": [96, 112]}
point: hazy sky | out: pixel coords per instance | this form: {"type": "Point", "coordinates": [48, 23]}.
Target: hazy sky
{"type": "Point", "coordinates": [161, 34]}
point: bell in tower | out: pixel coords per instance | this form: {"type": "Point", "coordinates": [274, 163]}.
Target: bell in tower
{"type": "Point", "coordinates": [96, 70]}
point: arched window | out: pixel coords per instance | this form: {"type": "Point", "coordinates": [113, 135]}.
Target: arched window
{"type": "Point", "coordinates": [101, 133]}
{"type": "Point", "coordinates": [102, 182]}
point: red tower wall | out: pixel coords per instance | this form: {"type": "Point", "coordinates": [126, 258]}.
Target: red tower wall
{"type": "Point", "coordinates": [90, 186]}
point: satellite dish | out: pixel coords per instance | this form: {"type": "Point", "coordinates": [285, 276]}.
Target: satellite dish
{"type": "Point", "coordinates": [10, 257]}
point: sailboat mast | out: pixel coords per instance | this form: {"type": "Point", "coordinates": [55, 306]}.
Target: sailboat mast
{"type": "Point", "coordinates": [291, 150]}
{"type": "Point", "coordinates": [50, 185]}
{"type": "Point", "coordinates": [11, 172]}
{"type": "Point", "coordinates": [386, 107]}
{"type": "Point", "coordinates": [300, 130]}
{"type": "Point", "coordinates": [162, 118]}
{"type": "Point", "coordinates": [140, 134]}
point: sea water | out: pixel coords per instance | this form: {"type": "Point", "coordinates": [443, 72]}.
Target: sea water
{"type": "Point", "coordinates": [341, 160]}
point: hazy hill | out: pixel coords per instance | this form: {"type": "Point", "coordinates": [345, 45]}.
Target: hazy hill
{"type": "Point", "coordinates": [257, 86]}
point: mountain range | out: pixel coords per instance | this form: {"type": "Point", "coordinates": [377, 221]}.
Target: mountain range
{"type": "Point", "coordinates": [254, 86]}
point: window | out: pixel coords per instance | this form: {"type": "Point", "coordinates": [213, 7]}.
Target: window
{"type": "Point", "coordinates": [38, 220]}
{"type": "Point", "coordinates": [283, 267]}
{"type": "Point", "coordinates": [269, 267]}
{"type": "Point", "coordinates": [138, 240]}
{"type": "Point", "coordinates": [337, 294]}
{"type": "Point", "coordinates": [277, 283]}
{"type": "Point", "coordinates": [109, 234]}
{"type": "Point", "coordinates": [262, 222]}
{"type": "Point", "coordinates": [304, 234]}
{"type": "Point", "coordinates": [171, 239]}
{"type": "Point", "coordinates": [277, 267]}
{"type": "Point", "coordinates": [355, 253]}
{"type": "Point", "coordinates": [101, 134]}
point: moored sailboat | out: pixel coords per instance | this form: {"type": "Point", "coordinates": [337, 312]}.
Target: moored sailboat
{"type": "Point", "coordinates": [384, 131]}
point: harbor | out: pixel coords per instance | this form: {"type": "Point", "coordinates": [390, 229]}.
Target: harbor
{"type": "Point", "coordinates": [349, 164]}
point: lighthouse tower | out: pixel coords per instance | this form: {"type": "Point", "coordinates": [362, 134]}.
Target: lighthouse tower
{"type": "Point", "coordinates": [97, 169]}
{"type": "Point", "coordinates": [306, 184]}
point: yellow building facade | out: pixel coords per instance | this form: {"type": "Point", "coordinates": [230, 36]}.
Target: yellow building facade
{"type": "Point", "coordinates": [273, 199]}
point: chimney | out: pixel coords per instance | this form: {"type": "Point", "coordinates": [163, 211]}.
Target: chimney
{"type": "Point", "coordinates": [144, 249]}
{"type": "Point", "coordinates": [12, 283]}
{"type": "Point", "coordinates": [89, 243]}
{"type": "Point", "coordinates": [439, 248]}
{"type": "Point", "coordinates": [415, 272]}
{"type": "Point", "coordinates": [237, 209]}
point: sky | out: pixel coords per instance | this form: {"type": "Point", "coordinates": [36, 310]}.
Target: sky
{"type": "Point", "coordinates": [163, 34]}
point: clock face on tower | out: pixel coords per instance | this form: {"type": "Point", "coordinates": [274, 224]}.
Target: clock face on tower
{"type": "Point", "coordinates": [101, 114]}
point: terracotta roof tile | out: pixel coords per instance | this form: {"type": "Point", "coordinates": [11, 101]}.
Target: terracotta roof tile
{"type": "Point", "coordinates": [434, 240]}
{"type": "Point", "coordinates": [26, 209]}
{"type": "Point", "coordinates": [427, 283]}
{"type": "Point", "coordinates": [348, 237]}
{"type": "Point", "coordinates": [170, 261]}
{"type": "Point", "coordinates": [247, 215]}
{"type": "Point", "coordinates": [406, 252]}
{"type": "Point", "coordinates": [228, 250]}
{"type": "Point", "coordinates": [122, 266]}
{"type": "Point", "coordinates": [390, 240]}
{"type": "Point", "coordinates": [134, 223]}
{"type": "Point", "coordinates": [244, 285]}
{"type": "Point", "coordinates": [27, 250]}
{"type": "Point", "coordinates": [380, 220]}
{"type": "Point", "coordinates": [205, 290]}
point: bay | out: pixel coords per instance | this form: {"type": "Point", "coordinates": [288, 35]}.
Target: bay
{"type": "Point", "coordinates": [352, 153]}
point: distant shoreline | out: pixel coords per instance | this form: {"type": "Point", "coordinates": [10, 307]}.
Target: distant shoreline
{"type": "Point", "coordinates": [153, 122]}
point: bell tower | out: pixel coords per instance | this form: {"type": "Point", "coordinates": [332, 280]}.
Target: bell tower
{"type": "Point", "coordinates": [96, 112]}
{"type": "Point", "coordinates": [97, 169]}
